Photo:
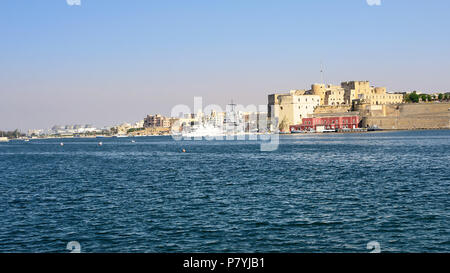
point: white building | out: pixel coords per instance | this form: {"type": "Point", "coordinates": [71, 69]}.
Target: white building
{"type": "Point", "coordinates": [290, 109]}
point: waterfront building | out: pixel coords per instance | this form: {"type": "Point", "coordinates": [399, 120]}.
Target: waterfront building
{"type": "Point", "coordinates": [121, 129]}
{"type": "Point", "coordinates": [35, 132]}
{"type": "Point", "coordinates": [215, 118]}
{"type": "Point", "coordinates": [291, 108]}
{"type": "Point", "coordinates": [332, 122]}
{"type": "Point", "coordinates": [184, 122]}
{"type": "Point", "coordinates": [66, 130]}
{"type": "Point", "coordinates": [335, 96]}
{"type": "Point", "coordinates": [347, 92]}
{"type": "Point", "coordinates": [152, 121]}
{"type": "Point", "coordinates": [139, 124]}
{"type": "Point", "coordinates": [361, 90]}
{"type": "Point", "coordinates": [329, 94]}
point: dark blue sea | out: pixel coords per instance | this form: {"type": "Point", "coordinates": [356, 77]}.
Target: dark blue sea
{"type": "Point", "coordinates": [316, 193]}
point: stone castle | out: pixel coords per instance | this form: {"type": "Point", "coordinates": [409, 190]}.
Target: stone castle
{"type": "Point", "coordinates": [291, 108]}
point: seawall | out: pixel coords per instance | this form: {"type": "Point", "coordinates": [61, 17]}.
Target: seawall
{"type": "Point", "coordinates": [409, 116]}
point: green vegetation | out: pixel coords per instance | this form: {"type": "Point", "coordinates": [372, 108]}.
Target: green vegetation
{"type": "Point", "coordinates": [114, 130]}
{"type": "Point", "coordinates": [415, 98]}
{"type": "Point", "coordinates": [103, 132]}
{"type": "Point", "coordinates": [134, 130]}
{"type": "Point", "coordinates": [412, 97]}
{"type": "Point", "coordinates": [11, 134]}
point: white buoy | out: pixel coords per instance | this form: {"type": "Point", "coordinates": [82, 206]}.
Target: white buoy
{"type": "Point", "coordinates": [133, 141]}
{"type": "Point", "coordinates": [100, 143]}
{"type": "Point", "coordinates": [62, 144]}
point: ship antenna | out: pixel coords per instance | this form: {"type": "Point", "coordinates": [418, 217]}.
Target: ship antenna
{"type": "Point", "coordinates": [321, 72]}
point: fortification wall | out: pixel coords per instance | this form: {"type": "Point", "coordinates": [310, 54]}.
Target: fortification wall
{"type": "Point", "coordinates": [407, 116]}
{"type": "Point", "coordinates": [328, 109]}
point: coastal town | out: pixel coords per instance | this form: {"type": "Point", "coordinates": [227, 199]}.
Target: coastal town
{"type": "Point", "coordinates": [224, 136]}
{"type": "Point", "coordinates": [353, 106]}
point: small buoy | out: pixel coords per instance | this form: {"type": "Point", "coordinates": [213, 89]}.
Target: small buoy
{"type": "Point", "coordinates": [62, 144]}
{"type": "Point", "coordinates": [100, 143]}
{"type": "Point", "coordinates": [183, 150]}
{"type": "Point", "coordinates": [133, 141]}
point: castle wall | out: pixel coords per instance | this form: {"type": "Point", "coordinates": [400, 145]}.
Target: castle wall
{"type": "Point", "coordinates": [327, 109]}
{"type": "Point", "coordinates": [406, 116]}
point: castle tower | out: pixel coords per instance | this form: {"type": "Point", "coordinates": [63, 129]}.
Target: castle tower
{"type": "Point", "coordinates": [319, 90]}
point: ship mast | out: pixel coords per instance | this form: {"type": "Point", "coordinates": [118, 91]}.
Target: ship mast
{"type": "Point", "coordinates": [321, 73]}
{"type": "Point", "coordinates": [232, 105]}
{"type": "Point", "coordinates": [232, 112]}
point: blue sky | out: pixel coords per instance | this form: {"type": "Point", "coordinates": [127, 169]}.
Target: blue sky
{"type": "Point", "coordinates": [110, 61]}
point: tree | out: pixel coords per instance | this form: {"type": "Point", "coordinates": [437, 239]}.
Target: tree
{"type": "Point", "coordinates": [407, 98]}
{"type": "Point", "coordinates": [429, 97]}
{"type": "Point", "coordinates": [440, 97]}
{"type": "Point", "coordinates": [114, 130]}
{"type": "Point", "coordinates": [11, 134]}
{"type": "Point", "coordinates": [413, 97]}
{"type": "Point", "coordinates": [134, 130]}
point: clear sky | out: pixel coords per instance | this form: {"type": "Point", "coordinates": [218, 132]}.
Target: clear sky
{"type": "Point", "coordinates": [110, 61]}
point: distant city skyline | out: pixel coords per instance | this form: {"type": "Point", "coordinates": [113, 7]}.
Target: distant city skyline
{"type": "Point", "coordinates": [108, 62]}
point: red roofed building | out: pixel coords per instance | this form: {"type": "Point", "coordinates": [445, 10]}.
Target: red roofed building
{"type": "Point", "coordinates": [327, 123]}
